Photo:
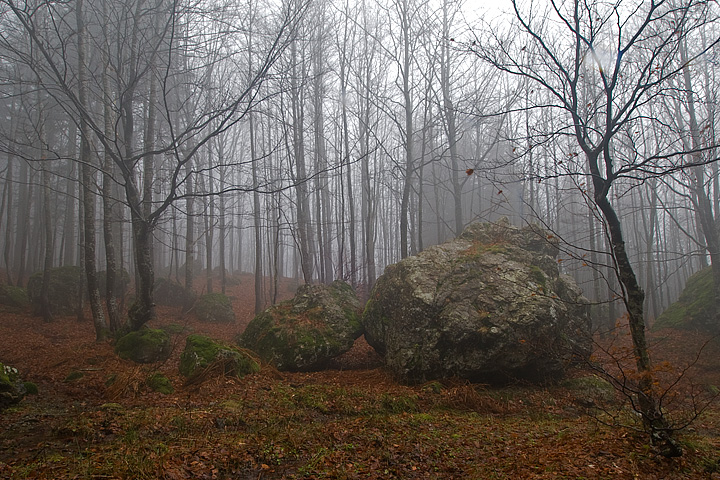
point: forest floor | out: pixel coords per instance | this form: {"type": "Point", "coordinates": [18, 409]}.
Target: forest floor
{"type": "Point", "coordinates": [351, 422]}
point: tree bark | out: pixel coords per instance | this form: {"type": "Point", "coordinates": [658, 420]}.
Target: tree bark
{"type": "Point", "coordinates": [111, 268]}
{"type": "Point", "coordinates": [88, 181]}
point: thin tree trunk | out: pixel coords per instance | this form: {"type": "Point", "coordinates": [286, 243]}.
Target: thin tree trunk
{"type": "Point", "coordinates": [111, 274]}
{"type": "Point", "coordinates": [88, 181]}
{"type": "Point", "coordinates": [45, 307]}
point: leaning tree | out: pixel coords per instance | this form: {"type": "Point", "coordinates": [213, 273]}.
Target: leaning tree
{"type": "Point", "coordinates": [602, 63]}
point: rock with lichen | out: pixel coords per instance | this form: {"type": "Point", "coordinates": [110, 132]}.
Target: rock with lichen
{"type": "Point", "coordinates": [307, 332]}
{"type": "Point", "coordinates": [489, 306]}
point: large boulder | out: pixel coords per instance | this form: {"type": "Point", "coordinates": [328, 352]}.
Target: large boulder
{"type": "Point", "coordinates": [489, 306]}
{"type": "Point", "coordinates": [65, 287]}
{"type": "Point", "coordinates": [214, 308]}
{"type": "Point", "coordinates": [12, 390]}
{"type": "Point", "coordinates": [169, 293]}
{"type": "Point", "coordinates": [696, 308]}
{"type": "Point", "coordinates": [308, 331]}
{"type": "Point", "coordinates": [146, 345]}
{"type": "Point", "coordinates": [14, 297]}
{"type": "Point", "coordinates": [122, 282]}
{"type": "Point", "coordinates": [202, 352]}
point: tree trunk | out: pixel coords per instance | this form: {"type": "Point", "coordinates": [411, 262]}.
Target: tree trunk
{"type": "Point", "coordinates": [45, 307]}
{"type": "Point", "coordinates": [143, 309]}
{"type": "Point", "coordinates": [8, 192]}
{"type": "Point", "coordinates": [408, 132]}
{"type": "Point", "coordinates": [450, 122]}
{"type": "Point", "coordinates": [304, 231]}
{"type": "Point", "coordinates": [111, 274]}
{"type": "Point", "coordinates": [189, 231]}
{"type": "Point", "coordinates": [88, 181]}
{"type": "Point", "coordinates": [259, 304]}
{"type": "Point", "coordinates": [634, 298]}
{"type": "Point", "coordinates": [23, 224]}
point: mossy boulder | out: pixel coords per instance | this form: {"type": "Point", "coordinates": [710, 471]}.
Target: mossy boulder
{"type": "Point", "coordinates": [490, 306]}
{"type": "Point", "coordinates": [160, 383]}
{"type": "Point", "coordinates": [591, 391]}
{"type": "Point", "coordinates": [214, 308]}
{"type": "Point", "coordinates": [696, 308]}
{"type": "Point", "coordinates": [65, 287]}
{"type": "Point", "coordinates": [172, 294]}
{"type": "Point", "coordinates": [14, 297]}
{"type": "Point", "coordinates": [12, 389]}
{"type": "Point", "coordinates": [305, 333]}
{"type": "Point", "coordinates": [122, 282]}
{"type": "Point", "coordinates": [202, 352]}
{"type": "Point", "coordinates": [146, 345]}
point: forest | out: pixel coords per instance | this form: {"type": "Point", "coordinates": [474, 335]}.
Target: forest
{"type": "Point", "coordinates": [161, 162]}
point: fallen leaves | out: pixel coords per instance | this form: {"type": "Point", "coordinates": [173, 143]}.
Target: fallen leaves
{"type": "Point", "coordinates": [350, 424]}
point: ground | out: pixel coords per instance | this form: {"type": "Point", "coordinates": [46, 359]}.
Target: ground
{"type": "Point", "coordinates": [351, 422]}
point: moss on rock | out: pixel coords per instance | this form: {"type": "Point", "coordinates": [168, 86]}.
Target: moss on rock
{"type": "Point", "coordinates": [490, 306]}
{"type": "Point", "coordinates": [160, 383]}
{"type": "Point", "coordinates": [144, 346]}
{"type": "Point", "coordinates": [14, 297]}
{"type": "Point", "coordinates": [214, 308]}
{"type": "Point", "coordinates": [65, 286]}
{"type": "Point", "coordinates": [320, 323]}
{"type": "Point", "coordinates": [31, 388]}
{"type": "Point", "coordinates": [12, 389]}
{"type": "Point", "coordinates": [696, 306]}
{"type": "Point", "coordinates": [172, 294]}
{"type": "Point", "coordinates": [201, 352]}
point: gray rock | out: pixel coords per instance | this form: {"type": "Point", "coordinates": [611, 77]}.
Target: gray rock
{"type": "Point", "coordinates": [489, 306]}
{"type": "Point", "coordinates": [307, 332]}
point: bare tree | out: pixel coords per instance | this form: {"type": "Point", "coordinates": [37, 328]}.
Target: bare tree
{"type": "Point", "coordinates": [601, 64]}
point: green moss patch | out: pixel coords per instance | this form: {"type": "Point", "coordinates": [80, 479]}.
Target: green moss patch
{"type": "Point", "coordinates": [696, 306]}
{"type": "Point", "coordinates": [74, 376]}
{"type": "Point", "coordinates": [214, 308]}
{"type": "Point", "coordinates": [320, 323]}
{"type": "Point", "coordinates": [590, 390]}
{"type": "Point", "coordinates": [14, 297]}
{"type": "Point", "coordinates": [160, 383]}
{"type": "Point", "coordinates": [12, 389]}
{"type": "Point", "coordinates": [202, 353]}
{"type": "Point", "coordinates": [144, 346]}
{"type": "Point", "coordinates": [31, 388]}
